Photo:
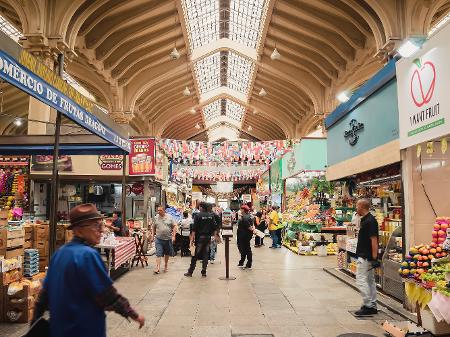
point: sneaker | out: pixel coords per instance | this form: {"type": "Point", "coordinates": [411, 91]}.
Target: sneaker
{"type": "Point", "coordinates": [278, 246]}
{"type": "Point", "coordinates": [240, 265]}
{"type": "Point", "coordinates": [273, 247]}
{"type": "Point", "coordinates": [212, 261]}
{"type": "Point", "coordinates": [188, 274]}
{"type": "Point", "coordinates": [248, 267]}
{"type": "Point", "coordinates": [365, 311]}
{"type": "Point", "coordinates": [204, 274]}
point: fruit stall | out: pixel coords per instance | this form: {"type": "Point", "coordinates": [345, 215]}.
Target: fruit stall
{"type": "Point", "coordinates": [426, 275]}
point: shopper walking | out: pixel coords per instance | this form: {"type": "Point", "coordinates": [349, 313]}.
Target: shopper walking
{"type": "Point", "coordinates": [244, 236]}
{"type": "Point", "coordinates": [367, 253]}
{"type": "Point", "coordinates": [77, 289]}
{"type": "Point", "coordinates": [273, 226]}
{"type": "Point", "coordinates": [164, 229]}
{"type": "Point", "coordinates": [186, 226]}
{"type": "Point", "coordinates": [215, 240]}
{"type": "Point", "coordinates": [260, 224]}
{"type": "Point", "coordinates": [203, 228]}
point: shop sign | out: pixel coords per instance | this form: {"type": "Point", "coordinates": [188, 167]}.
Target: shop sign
{"type": "Point", "coordinates": [423, 81]}
{"type": "Point", "coordinates": [34, 78]}
{"type": "Point", "coordinates": [43, 163]}
{"type": "Point", "coordinates": [351, 135]}
{"type": "Point", "coordinates": [110, 162]}
{"type": "Point", "coordinates": [142, 157]}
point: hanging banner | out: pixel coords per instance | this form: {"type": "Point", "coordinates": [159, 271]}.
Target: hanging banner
{"type": "Point", "coordinates": [142, 157]}
{"type": "Point", "coordinates": [423, 81]}
{"type": "Point", "coordinates": [29, 75]}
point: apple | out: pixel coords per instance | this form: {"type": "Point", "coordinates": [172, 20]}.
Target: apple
{"type": "Point", "coordinates": [404, 264]}
{"type": "Point", "coordinates": [433, 245]}
{"type": "Point", "coordinates": [441, 239]}
{"type": "Point", "coordinates": [433, 251]}
{"type": "Point", "coordinates": [420, 271]}
{"type": "Point", "coordinates": [424, 258]}
{"type": "Point", "coordinates": [444, 254]}
{"type": "Point", "coordinates": [441, 233]}
{"type": "Point", "coordinates": [420, 258]}
{"type": "Point", "coordinates": [438, 255]}
{"type": "Point", "coordinates": [431, 257]}
{"type": "Point", "coordinates": [438, 249]}
{"type": "Point", "coordinates": [425, 264]}
{"type": "Point", "coordinates": [444, 226]}
{"type": "Point", "coordinates": [425, 252]}
{"type": "Point", "coordinates": [437, 226]}
{"type": "Point", "coordinates": [435, 240]}
{"type": "Point", "coordinates": [405, 271]}
{"type": "Point", "coordinates": [419, 264]}
{"type": "Point", "coordinates": [434, 234]}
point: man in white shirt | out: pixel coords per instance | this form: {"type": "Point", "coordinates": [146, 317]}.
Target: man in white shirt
{"type": "Point", "coordinates": [165, 229]}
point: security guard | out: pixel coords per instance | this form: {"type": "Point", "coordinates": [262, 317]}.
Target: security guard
{"type": "Point", "coordinates": [204, 227]}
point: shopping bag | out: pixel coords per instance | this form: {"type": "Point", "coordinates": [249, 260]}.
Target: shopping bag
{"type": "Point", "coordinates": [40, 328]}
{"type": "Point", "coordinates": [259, 233]}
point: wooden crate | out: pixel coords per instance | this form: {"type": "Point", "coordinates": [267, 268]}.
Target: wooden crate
{"type": "Point", "coordinates": [40, 232]}
{"type": "Point", "coordinates": [42, 247]}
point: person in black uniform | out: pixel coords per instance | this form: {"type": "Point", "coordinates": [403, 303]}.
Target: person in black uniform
{"type": "Point", "coordinates": [244, 236]}
{"type": "Point", "coordinates": [203, 228]}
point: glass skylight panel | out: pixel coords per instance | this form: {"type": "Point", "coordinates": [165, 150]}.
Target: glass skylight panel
{"type": "Point", "coordinates": [246, 19]}
{"type": "Point", "coordinates": [208, 72]}
{"type": "Point", "coordinates": [9, 29]}
{"type": "Point", "coordinates": [211, 111]}
{"type": "Point", "coordinates": [234, 110]}
{"type": "Point", "coordinates": [202, 17]}
{"type": "Point", "coordinates": [240, 72]}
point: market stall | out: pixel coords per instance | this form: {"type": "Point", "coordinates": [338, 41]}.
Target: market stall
{"type": "Point", "coordinates": [117, 251]}
{"type": "Point", "coordinates": [364, 162]}
{"type": "Point", "coordinates": [424, 134]}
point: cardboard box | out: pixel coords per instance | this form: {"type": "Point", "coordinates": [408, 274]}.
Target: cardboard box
{"type": "Point", "coordinates": [3, 238]}
{"type": "Point", "coordinates": [14, 243]}
{"type": "Point", "coordinates": [10, 253]}
{"type": "Point", "coordinates": [68, 235]}
{"type": "Point", "coordinates": [40, 232]}
{"type": "Point", "coordinates": [10, 276]}
{"type": "Point", "coordinates": [42, 247]}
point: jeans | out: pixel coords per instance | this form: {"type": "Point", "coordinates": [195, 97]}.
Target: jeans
{"type": "Point", "coordinates": [274, 236]}
{"type": "Point", "coordinates": [201, 253]}
{"type": "Point", "coordinates": [365, 280]}
{"type": "Point", "coordinates": [246, 251]}
{"type": "Point", "coordinates": [213, 250]}
{"type": "Point", "coordinates": [280, 239]}
{"type": "Point", "coordinates": [259, 241]}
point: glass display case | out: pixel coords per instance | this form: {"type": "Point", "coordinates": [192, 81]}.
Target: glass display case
{"type": "Point", "coordinates": [392, 282]}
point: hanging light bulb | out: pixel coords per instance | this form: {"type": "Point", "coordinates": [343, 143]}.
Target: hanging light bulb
{"type": "Point", "coordinates": [193, 111]}
{"type": "Point", "coordinates": [18, 122]}
{"type": "Point", "coordinates": [174, 54]}
{"type": "Point", "coordinates": [255, 112]}
{"type": "Point", "coordinates": [186, 91]}
{"type": "Point", "coordinates": [262, 92]}
{"type": "Point", "coordinates": [275, 55]}
{"type": "Point", "coordinates": [249, 128]}
{"type": "Point", "coordinates": [197, 126]}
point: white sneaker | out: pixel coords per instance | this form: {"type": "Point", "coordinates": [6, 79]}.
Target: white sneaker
{"type": "Point", "coordinates": [212, 261]}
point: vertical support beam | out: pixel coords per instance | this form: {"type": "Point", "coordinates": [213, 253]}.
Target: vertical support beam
{"type": "Point", "coordinates": [55, 173]}
{"type": "Point", "coordinates": [124, 191]}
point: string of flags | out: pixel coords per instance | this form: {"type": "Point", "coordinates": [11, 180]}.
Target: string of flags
{"type": "Point", "coordinates": [193, 152]}
{"type": "Point", "coordinates": [184, 173]}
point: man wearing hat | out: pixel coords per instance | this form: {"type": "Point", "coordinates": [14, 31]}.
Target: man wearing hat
{"type": "Point", "coordinates": [77, 289]}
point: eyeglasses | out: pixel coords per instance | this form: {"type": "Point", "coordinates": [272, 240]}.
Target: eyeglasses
{"type": "Point", "coordinates": [98, 226]}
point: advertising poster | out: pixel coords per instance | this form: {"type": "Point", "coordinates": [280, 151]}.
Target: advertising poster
{"type": "Point", "coordinates": [423, 99]}
{"type": "Point", "coordinates": [142, 157]}
{"type": "Point", "coordinates": [42, 163]}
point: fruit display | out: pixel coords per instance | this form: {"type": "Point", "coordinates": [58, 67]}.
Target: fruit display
{"type": "Point", "coordinates": [439, 233]}
{"type": "Point", "coordinates": [419, 259]}
{"type": "Point", "coordinates": [13, 185]}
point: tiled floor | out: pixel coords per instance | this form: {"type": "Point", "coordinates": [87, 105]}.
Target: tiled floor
{"type": "Point", "coordinates": [284, 295]}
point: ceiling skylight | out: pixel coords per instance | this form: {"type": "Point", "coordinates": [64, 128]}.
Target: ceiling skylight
{"type": "Point", "coordinates": [211, 111]}
{"type": "Point", "coordinates": [234, 110]}
{"type": "Point", "coordinates": [9, 29]}
{"type": "Point", "coordinates": [202, 17]}
{"type": "Point", "coordinates": [223, 111]}
{"type": "Point", "coordinates": [208, 72]}
{"type": "Point", "coordinates": [240, 72]}
{"type": "Point", "coordinates": [246, 18]}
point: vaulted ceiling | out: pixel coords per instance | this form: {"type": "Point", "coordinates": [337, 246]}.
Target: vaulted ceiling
{"type": "Point", "coordinates": [120, 51]}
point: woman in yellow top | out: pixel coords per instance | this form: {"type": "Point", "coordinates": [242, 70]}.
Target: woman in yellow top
{"type": "Point", "coordinates": [273, 226]}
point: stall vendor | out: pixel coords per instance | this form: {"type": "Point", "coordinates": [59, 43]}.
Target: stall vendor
{"type": "Point", "coordinates": [116, 225]}
{"type": "Point", "coordinates": [77, 289]}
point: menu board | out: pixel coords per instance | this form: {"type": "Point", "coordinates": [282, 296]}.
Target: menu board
{"type": "Point", "coordinates": [142, 157]}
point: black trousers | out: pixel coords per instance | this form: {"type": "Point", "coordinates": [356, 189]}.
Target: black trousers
{"type": "Point", "coordinates": [201, 253]}
{"type": "Point", "coordinates": [246, 250]}
{"type": "Point", "coordinates": [279, 230]}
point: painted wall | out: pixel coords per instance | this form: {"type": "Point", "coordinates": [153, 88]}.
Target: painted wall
{"type": "Point", "coordinates": [379, 114]}
{"type": "Point", "coordinates": [309, 155]}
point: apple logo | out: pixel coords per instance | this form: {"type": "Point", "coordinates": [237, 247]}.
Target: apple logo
{"type": "Point", "coordinates": [422, 82]}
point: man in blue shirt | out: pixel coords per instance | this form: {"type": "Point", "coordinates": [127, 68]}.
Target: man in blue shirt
{"type": "Point", "coordinates": [77, 289]}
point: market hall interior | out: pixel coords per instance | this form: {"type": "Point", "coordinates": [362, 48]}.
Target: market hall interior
{"type": "Point", "coordinates": [317, 126]}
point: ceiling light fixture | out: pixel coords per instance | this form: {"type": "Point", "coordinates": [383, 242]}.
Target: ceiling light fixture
{"type": "Point", "coordinates": [255, 112]}
{"type": "Point", "coordinates": [193, 111]}
{"type": "Point", "coordinates": [262, 92]}
{"type": "Point", "coordinates": [343, 97]}
{"type": "Point", "coordinates": [174, 54]}
{"type": "Point", "coordinates": [18, 122]}
{"type": "Point", "coordinates": [408, 48]}
{"type": "Point", "coordinates": [197, 126]}
{"type": "Point", "coordinates": [186, 91]}
{"type": "Point", "coordinates": [275, 55]}
{"type": "Point", "coordinates": [249, 128]}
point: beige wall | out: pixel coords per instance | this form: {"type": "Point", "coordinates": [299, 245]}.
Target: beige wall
{"type": "Point", "coordinates": [436, 179]}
